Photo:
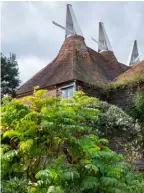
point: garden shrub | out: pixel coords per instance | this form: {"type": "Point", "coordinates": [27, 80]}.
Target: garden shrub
{"type": "Point", "coordinates": [114, 122]}
{"type": "Point", "coordinates": [49, 142]}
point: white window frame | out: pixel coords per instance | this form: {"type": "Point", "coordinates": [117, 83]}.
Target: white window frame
{"type": "Point", "coordinates": [67, 86]}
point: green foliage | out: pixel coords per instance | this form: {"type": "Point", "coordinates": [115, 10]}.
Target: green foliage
{"type": "Point", "coordinates": [14, 185]}
{"type": "Point", "coordinates": [137, 109]}
{"type": "Point", "coordinates": [9, 75]}
{"type": "Point", "coordinates": [133, 151]}
{"type": "Point", "coordinates": [113, 122]}
{"type": "Point", "coordinates": [53, 189]}
{"type": "Point", "coordinates": [127, 81]}
{"type": "Point", "coordinates": [116, 125]}
{"type": "Point", "coordinates": [49, 142]}
{"type": "Point", "coordinates": [121, 83]}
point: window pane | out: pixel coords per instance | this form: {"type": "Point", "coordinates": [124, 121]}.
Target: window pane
{"type": "Point", "coordinates": [70, 91]}
{"type": "Point", "coordinates": [64, 93]}
{"type": "Point", "coordinates": [67, 92]}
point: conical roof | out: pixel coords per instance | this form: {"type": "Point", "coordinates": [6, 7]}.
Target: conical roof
{"type": "Point", "coordinates": [109, 56]}
{"type": "Point", "coordinates": [75, 61]}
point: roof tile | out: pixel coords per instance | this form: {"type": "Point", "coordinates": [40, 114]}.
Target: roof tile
{"type": "Point", "coordinates": [76, 61]}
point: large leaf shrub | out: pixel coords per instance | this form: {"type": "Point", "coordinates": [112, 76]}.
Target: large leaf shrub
{"type": "Point", "coordinates": [49, 143]}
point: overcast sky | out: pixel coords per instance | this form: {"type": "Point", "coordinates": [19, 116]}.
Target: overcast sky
{"type": "Point", "coordinates": [27, 29]}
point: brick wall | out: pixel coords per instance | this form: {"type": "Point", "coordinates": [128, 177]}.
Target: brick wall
{"type": "Point", "coordinates": [91, 91]}
{"type": "Point", "coordinates": [51, 93]}
{"type": "Point", "coordinates": [122, 97]}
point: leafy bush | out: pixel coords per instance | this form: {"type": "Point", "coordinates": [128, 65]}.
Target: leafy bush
{"type": "Point", "coordinates": [14, 185]}
{"type": "Point", "coordinates": [48, 142]}
{"type": "Point", "coordinates": [114, 122]}
{"type": "Point", "coordinates": [123, 132]}
{"type": "Point", "coordinates": [137, 110]}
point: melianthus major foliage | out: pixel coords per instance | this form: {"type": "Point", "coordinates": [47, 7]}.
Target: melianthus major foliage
{"type": "Point", "coordinates": [47, 144]}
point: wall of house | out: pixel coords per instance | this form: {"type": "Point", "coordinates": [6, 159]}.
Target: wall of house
{"type": "Point", "coordinates": [52, 92]}
{"type": "Point", "coordinates": [91, 90]}
{"type": "Point", "coordinates": [122, 97]}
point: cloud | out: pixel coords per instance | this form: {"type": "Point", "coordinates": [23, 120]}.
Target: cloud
{"type": "Point", "coordinates": [28, 66]}
{"type": "Point", "coordinates": [27, 28]}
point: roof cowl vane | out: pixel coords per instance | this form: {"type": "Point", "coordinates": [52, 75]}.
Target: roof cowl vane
{"type": "Point", "coordinates": [72, 27]}
{"type": "Point", "coordinates": [134, 57]}
{"type": "Point", "coordinates": [103, 40]}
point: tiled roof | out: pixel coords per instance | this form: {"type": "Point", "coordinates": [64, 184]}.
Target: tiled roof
{"type": "Point", "coordinates": [136, 71]}
{"type": "Point", "coordinates": [75, 61]}
{"type": "Point", "coordinates": [109, 55]}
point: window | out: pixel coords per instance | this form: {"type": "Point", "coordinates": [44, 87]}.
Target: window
{"type": "Point", "coordinates": [67, 92]}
